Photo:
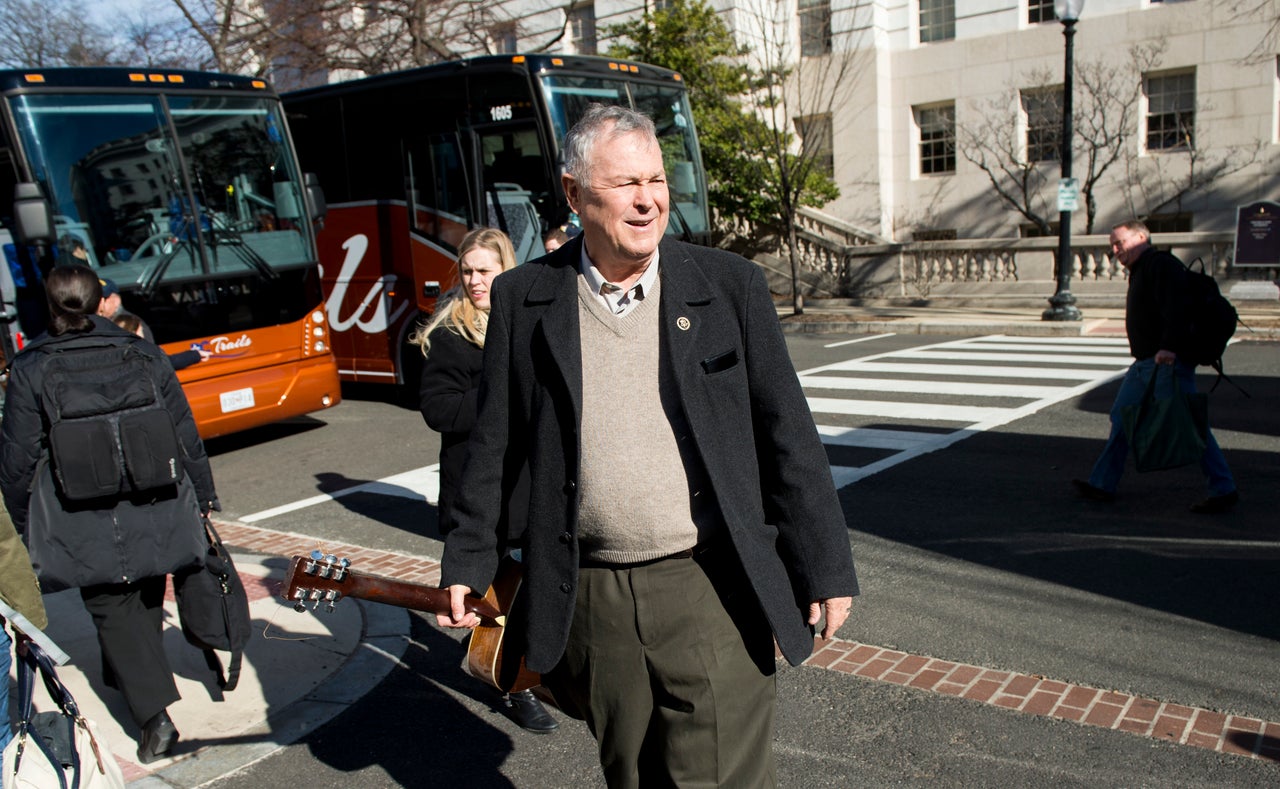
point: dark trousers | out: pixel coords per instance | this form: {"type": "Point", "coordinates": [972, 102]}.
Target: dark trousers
{"type": "Point", "coordinates": [674, 674]}
{"type": "Point", "coordinates": [128, 618]}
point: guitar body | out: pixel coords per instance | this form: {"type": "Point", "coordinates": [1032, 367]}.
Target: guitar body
{"type": "Point", "coordinates": [488, 657]}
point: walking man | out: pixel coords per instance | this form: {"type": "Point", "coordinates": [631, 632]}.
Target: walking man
{"type": "Point", "coordinates": [1155, 320]}
{"type": "Point", "coordinates": [682, 513]}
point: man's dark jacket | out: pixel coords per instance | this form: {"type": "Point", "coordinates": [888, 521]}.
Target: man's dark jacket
{"type": "Point", "coordinates": [723, 350]}
{"type": "Point", "coordinates": [1155, 315]}
{"type": "Point", "coordinates": [77, 544]}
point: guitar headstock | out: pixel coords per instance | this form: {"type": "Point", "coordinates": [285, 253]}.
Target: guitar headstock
{"type": "Point", "coordinates": [315, 579]}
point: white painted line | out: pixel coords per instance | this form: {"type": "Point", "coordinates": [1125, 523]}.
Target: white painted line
{"type": "Point", "coordinates": [1118, 352]}
{"type": "Point", "coordinates": [858, 339]}
{"type": "Point", "coordinates": [418, 484]}
{"type": "Point", "coordinates": [970, 356]}
{"type": "Point", "coordinates": [873, 438]}
{"type": "Point", "coordinates": [977, 371]}
{"type": "Point", "coordinates": [884, 408]}
{"type": "Point", "coordinates": [961, 388]}
{"type": "Point", "coordinates": [1080, 341]}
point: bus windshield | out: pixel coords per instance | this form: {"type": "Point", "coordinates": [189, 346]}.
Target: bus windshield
{"type": "Point", "coordinates": [568, 96]}
{"type": "Point", "coordinates": [165, 194]}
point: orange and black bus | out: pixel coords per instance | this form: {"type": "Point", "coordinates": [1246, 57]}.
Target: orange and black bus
{"type": "Point", "coordinates": [411, 160]}
{"type": "Point", "coordinates": [183, 189]}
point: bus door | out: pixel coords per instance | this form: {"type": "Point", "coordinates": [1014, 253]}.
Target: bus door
{"type": "Point", "coordinates": [441, 196]}
{"type": "Point", "coordinates": [516, 188]}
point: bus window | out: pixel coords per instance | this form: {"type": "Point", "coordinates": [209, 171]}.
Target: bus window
{"type": "Point", "coordinates": [437, 186]}
{"type": "Point", "coordinates": [517, 196]}
{"type": "Point", "coordinates": [669, 109]}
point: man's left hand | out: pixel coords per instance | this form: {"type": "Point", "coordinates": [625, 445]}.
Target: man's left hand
{"type": "Point", "coordinates": [837, 610]}
{"type": "Point", "coordinates": [1166, 357]}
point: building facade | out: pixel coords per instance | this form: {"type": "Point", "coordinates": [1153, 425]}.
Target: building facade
{"type": "Point", "coordinates": [948, 103]}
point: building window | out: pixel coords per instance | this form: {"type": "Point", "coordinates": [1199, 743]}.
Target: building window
{"type": "Point", "coordinates": [1169, 223]}
{"type": "Point", "coordinates": [582, 29]}
{"type": "Point", "coordinates": [1171, 111]}
{"type": "Point", "coordinates": [1028, 230]}
{"type": "Point", "coordinates": [1040, 11]}
{"type": "Point", "coordinates": [937, 127]}
{"type": "Point", "coordinates": [816, 141]}
{"type": "Point", "coordinates": [815, 26]}
{"type": "Point", "coordinates": [504, 38]}
{"type": "Point", "coordinates": [1042, 109]}
{"type": "Point", "coordinates": [937, 20]}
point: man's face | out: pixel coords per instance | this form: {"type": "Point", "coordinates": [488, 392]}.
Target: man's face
{"type": "Point", "coordinates": [624, 207]}
{"type": "Point", "coordinates": [1127, 245]}
{"type": "Point", "coordinates": [109, 305]}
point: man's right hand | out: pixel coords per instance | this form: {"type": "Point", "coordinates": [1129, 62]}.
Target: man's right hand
{"type": "Point", "coordinates": [458, 615]}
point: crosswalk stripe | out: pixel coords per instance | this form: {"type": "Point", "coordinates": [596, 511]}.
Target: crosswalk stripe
{"type": "Point", "coordinates": [1116, 351]}
{"type": "Point", "coordinates": [418, 484]}
{"type": "Point", "coordinates": [873, 438]}
{"type": "Point", "coordinates": [974, 370]}
{"type": "Point", "coordinates": [1078, 341]}
{"type": "Point", "coordinates": [977, 356]}
{"type": "Point", "coordinates": [961, 388]}
{"type": "Point", "coordinates": [931, 411]}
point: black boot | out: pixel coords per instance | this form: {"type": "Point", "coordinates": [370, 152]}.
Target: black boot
{"type": "Point", "coordinates": [158, 736]}
{"type": "Point", "coordinates": [528, 713]}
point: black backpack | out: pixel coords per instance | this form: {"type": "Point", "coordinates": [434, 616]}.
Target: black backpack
{"type": "Point", "coordinates": [110, 434]}
{"type": "Point", "coordinates": [213, 607]}
{"type": "Point", "coordinates": [1211, 322]}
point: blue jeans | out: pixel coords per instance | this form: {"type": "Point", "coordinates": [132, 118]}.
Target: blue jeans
{"type": "Point", "coordinates": [1110, 466]}
{"type": "Point", "coordinates": [6, 731]}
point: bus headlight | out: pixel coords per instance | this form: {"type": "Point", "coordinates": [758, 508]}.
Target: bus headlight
{"type": "Point", "coordinates": [320, 347]}
{"type": "Point", "coordinates": [317, 317]}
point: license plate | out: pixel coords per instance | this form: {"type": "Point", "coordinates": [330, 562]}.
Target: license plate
{"type": "Point", "coordinates": [238, 400]}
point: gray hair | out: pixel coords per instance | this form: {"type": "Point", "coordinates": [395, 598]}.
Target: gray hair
{"type": "Point", "coordinates": [1135, 226]}
{"type": "Point", "coordinates": [599, 121]}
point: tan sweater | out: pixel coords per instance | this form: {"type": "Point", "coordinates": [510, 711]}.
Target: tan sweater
{"type": "Point", "coordinates": [639, 471]}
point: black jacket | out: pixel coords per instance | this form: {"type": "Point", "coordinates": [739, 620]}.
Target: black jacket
{"type": "Point", "coordinates": [447, 398]}
{"type": "Point", "coordinates": [1155, 315]}
{"type": "Point", "coordinates": [76, 544]}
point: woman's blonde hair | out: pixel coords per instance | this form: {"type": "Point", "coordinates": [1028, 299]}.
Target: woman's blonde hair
{"type": "Point", "coordinates": [458, 313]}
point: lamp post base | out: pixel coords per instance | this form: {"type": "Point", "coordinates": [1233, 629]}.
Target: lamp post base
{"type": "Point", "coordinates": [1063, 308]}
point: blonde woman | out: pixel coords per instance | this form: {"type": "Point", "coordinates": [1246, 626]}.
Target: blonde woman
{"type": "Point", "coordinates": [453, 343]}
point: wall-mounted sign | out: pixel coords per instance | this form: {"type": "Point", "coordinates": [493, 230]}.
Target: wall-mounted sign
{"type": "Point", "coordinates": [1257, 235]}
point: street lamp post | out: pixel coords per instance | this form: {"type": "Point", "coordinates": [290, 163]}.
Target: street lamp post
{"type": "Point", "coordinates": [1062, 303]}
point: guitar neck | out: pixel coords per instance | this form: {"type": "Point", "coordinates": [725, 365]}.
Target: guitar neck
{"type": "Point", "coordinates": [379, 589]}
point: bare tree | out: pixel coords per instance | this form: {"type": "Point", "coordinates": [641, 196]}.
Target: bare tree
{"type": "Point", "coordinates": [1265, 14]}
{"type": "Point", "coordinates": [1164, 183]}
{"type": "Point", "coordinates": [807, 71]}
{"type": "Point", "coordinates": [39, 34]}
{"type": "Point", "coordinates": [1104, 117]}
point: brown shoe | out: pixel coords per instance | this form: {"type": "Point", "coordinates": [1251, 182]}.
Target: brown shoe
{"type": "Point", "coordinates": [1215, 504]}
{"type": "Point", "coordinates": [1087, 491]}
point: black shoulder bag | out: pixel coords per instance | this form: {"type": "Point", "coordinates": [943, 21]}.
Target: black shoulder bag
{"type": "Point", "coordinates": [213, 608]}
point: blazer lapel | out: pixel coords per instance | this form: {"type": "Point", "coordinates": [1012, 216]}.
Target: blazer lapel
{"type": "Point", "coordinates": [685, 296]}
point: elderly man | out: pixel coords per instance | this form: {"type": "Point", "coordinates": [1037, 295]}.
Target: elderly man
{"type": "Point", "coordinates": [682, 513]}
{"type": "Point", "coordinates": [1155, 320]}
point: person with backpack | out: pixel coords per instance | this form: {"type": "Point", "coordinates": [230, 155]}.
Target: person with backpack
{"type": "Point", "coordinates": [106, 479]}
{"type": "Point", "coordinates": [1157, 322]}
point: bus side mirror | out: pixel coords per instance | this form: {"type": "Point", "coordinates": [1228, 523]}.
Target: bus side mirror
{"type": "Point", "coordinates": [32, 219]}
{"type": "Point", "coordinates": [315, 197]}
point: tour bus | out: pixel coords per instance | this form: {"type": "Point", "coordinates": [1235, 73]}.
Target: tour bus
{"type": "Point", "coordinates": [411, 160]}
{"type": "Point", "coordinates": [182, 189]}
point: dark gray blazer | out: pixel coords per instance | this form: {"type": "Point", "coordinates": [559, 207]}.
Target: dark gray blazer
{"type": "Point", "coordinates": [725, 353]}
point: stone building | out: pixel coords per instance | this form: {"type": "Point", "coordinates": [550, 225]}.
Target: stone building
{"type": "Point", "coordinates": [947, 96]}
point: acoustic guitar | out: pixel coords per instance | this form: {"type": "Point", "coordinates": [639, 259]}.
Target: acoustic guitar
{"type": "Point", "coordinates": [321, 579]}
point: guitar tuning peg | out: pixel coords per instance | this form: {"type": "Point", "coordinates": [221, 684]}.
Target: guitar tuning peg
{"type": "Point", "coordinates": [340, 571]}
{"type": "Point", "coordinates": [300, 607]}
{"type": "Point", "coordinates": [317, 555]}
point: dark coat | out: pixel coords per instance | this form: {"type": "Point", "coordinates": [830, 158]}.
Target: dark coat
{"type": "Point", "coordinates": [77, 544]}
{"type": "Point", "coordinates": [722, 348]}
{"type": "Point", "coordinates": [1155, 315]}
{"type": "Point", "coordinates": [447, 399]}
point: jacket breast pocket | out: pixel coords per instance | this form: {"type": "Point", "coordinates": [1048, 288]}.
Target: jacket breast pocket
{"type": "Point", "coordinates": [720, 362]}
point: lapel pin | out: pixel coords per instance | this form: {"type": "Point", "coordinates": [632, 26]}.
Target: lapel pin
{"type": "Point", "coordinates": [683, 323]}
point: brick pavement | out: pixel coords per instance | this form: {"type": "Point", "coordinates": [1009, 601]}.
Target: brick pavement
{"type": "Point", "coordinates": [1025, 693]}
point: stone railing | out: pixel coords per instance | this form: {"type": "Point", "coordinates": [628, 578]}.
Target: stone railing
{"type": "Point", "coordinates": [869, 267]}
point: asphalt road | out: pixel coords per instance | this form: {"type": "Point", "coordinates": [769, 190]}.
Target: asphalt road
{"type": "Point", "coordinates": [977, 553]}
